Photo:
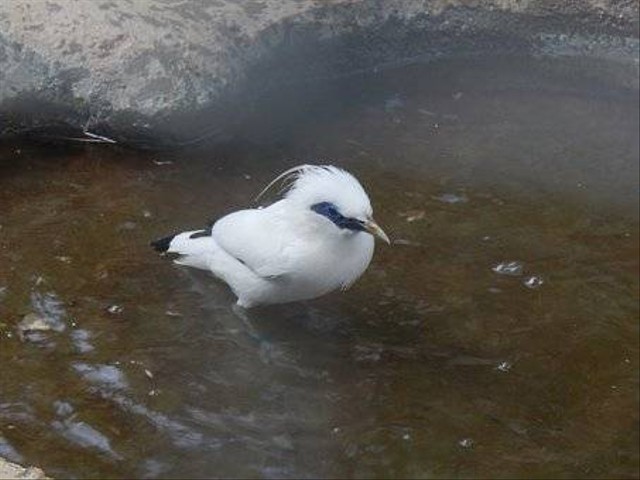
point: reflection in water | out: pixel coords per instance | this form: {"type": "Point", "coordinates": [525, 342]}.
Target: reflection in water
{"type": "Point", "coordinates": [84, 436]}
{"type": "Point", "coordinates": [8, 452]}
{"type": "Point", "coordinates": [107, 377]}
{"type": "Point", "coordinates": [80, 339]}
{"type": "Point", "coordinates": [497, 336]}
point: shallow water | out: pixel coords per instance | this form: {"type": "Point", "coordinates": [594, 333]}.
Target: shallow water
{"type": "Point", "coordinates": [498, 336]}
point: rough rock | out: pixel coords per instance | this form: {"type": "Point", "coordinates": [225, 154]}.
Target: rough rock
{"type": "Point", "coordinates": [11, 471]}
{"type": "Point", "coordinates": [171, 72]}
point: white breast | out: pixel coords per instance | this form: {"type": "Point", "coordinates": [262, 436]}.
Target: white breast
{"type": "Point", "coordinates": [293, 255]}
{"type": "Point", "coordinates": [332, 263]}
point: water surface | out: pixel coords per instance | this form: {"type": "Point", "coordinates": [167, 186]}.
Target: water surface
{"type": "Point", "coordinates": [498, 336]}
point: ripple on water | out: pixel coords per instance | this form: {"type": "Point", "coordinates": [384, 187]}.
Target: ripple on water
{"type": "Point", "coordinates": [466, 443]}
{"type": "Point", "coordinates": [111, 383]}
{"type": "Point", "coordinates": [115, 309]}
{"type": "Point", "coordinates": [62, 408]}
{"type": "Point", "coordinates": [107, 377]}
{"type": "Point", "coordinates": [510, 268]}
{"type": "Point", "coordinates": [80, 339]}
{"type": "Point", "coordinates": [504, 366]}
{"type": "Point", "coordinates": [51, 309]}
{"type": "Point", "coordinates": [8, 452]}
{"type": "Point", "coordinates": [85, 436]}
{"type": "Point", "coordinates": [180, 434]}
{"type": "Point", "coordinates": [451, 198]}
{"type": "Point", "coordinates": [533, 282]}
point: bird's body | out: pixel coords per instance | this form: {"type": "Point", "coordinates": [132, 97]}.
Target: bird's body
{"type": "Point", "coordinates": [312, 241]}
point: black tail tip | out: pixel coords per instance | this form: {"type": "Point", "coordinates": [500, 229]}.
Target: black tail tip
{"type": "Point", "coordinates": [162, 244]}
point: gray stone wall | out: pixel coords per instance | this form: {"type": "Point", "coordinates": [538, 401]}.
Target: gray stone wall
{"type": "Point", "coordinates": [172, 72]}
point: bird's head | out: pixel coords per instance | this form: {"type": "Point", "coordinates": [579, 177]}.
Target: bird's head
{"type": "Point", "coordinates": [332, 193]}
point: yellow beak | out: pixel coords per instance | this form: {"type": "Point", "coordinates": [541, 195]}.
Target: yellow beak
{"type": "Point", "coordinates": [372, 227]}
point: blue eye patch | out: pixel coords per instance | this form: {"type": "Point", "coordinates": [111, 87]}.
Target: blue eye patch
{"type": "Point", "coordinates": [329, 210]}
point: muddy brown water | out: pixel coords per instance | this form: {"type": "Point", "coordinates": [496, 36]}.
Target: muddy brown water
{"type": "Point", "coordinates": [444, 360]}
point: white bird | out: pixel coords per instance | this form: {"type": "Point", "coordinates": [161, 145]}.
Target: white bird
{"type": "Point", "coordinates": [315, 239]}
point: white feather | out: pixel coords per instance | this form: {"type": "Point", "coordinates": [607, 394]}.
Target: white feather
{"type": "Point", "coordinates": [286, 251]}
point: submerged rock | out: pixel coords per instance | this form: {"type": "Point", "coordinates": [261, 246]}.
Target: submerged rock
{"type": "Point", "coordinates": [32, 322]}
{"type": "Point", "coordinates": [32, 326]}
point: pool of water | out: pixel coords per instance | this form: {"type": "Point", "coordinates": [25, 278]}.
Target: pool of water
{"type": "Point", "coordinates": [497, 336]}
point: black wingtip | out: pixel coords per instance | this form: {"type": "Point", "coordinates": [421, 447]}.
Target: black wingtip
{"type": "Point", "coordinates": [162, 244]}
